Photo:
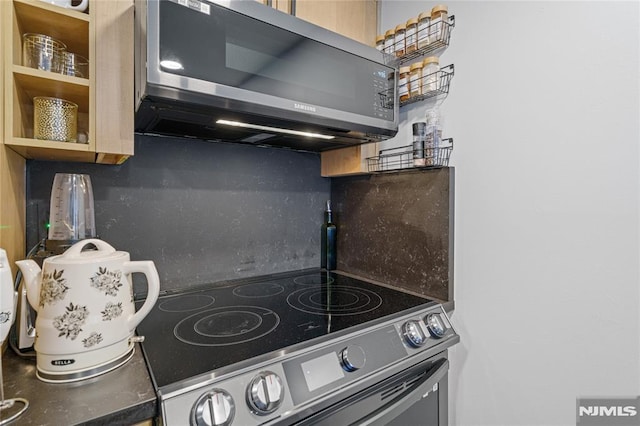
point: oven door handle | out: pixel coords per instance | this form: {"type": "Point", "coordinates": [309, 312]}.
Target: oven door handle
{"type": "Point", "coordinates": [397, 407]}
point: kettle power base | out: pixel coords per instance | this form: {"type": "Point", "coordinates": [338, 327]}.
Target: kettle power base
{"type": "Point", "coordinates": [86, 373]}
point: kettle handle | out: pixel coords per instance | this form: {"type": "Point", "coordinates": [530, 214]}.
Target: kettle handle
{"type": "Point", "coordinates": [81, 7]}
{"type": "Point", "coordinates": [7, 297]}
{"type": "Point", "coordinates": [148, 268]}
{"type": "Point", "coordinates": [76, 249]}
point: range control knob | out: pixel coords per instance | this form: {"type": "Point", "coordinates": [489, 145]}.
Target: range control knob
{"type": "Point", "coordinates": [352, 358]}
{"type": "Point", "coordinates": [265, 393]}
{"type": "Point", "coordinates": [214, 408]}
{"type": "Point", "coordinates": [435, 325]}
{"type": "Point", "coordinates": [413, 334]}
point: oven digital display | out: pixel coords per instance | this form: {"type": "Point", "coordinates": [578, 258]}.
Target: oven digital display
{"type": "Point", "coordinates": [322, 371]}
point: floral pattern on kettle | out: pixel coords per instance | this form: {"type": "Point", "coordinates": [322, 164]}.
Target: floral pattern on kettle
{"type": "Point", "coordinates": [70, 323]}
{"type": "Point", "coordinates": [111, 311]}
{"type": "Point", "coordinates": [54, 287]}
{"type": "Point", "coordinates": [93, 339]}
{"type": "Point", "coordinates": [107, 281]}
{"type": "Point", "coordinates": [5, 317]}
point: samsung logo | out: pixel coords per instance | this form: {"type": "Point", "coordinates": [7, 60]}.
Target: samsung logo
{"type": "Point", "coordinates": [304, 107]}
{"type": "Point", "coordinates": [62, 362]}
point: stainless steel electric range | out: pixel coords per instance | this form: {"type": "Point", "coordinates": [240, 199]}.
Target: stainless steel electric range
{"type": "Point", "coordinates": [307, 347]}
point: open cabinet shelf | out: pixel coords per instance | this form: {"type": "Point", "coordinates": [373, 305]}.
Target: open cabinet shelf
{"type": "Point", "coordinates": [105, 97]}
{"type": "Point", "coordinates": [23, 83]}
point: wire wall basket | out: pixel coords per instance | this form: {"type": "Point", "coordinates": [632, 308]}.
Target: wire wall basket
{"type": "Point", "coordinates": [426, 41]}
{"type": "Point", "coordinates": [393, 159]}
{"type": "Point", "coordinates": [434, 85]}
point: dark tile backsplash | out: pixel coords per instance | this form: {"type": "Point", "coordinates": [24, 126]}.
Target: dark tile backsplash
{"type": "Point", "coordinates": [202, 211]}
{"type": "Point", "coordinates": [207, 212]}
{"type": "Point", "coordinates": [397, 228]}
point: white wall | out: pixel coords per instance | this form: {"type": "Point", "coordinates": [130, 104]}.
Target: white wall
{"type": "Point", "coordinates": [544, 109]}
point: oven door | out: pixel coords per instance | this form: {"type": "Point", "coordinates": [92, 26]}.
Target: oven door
{"type": "Point", "coordinates": [418, 395]}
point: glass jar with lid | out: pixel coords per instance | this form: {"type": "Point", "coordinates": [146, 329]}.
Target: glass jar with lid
{"type": "Point", "coordinates": [389, 40]}
{"type": "Point", "coordinates": [399, 40]}
{"type": "Point", "coordinates": [430, 68]}
{"type": "Point", "coordinates": [403, 84]}
{"type": "Point", "coordinates": [415, 79]}
{"type": "Point", "coordinates": [410, 35]}
{"type": "Point", "coordinates": [424, 19]}
{"type": "Point", "coordinates": [380, 42]}
{"type": "Point", "coordinates": [439, 26]}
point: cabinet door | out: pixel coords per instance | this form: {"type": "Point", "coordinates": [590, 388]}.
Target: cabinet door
{"type": "Point", "coordinates": [12, 207]}
{"type": "Point", "coordinates": [356, 19]}
{"type": "Point", "coordinates": [12, 180]}
{"type": "Point", "coordinates": [114, 108]}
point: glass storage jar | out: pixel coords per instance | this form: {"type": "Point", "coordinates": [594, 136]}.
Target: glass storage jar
{"type": "Point", "coordinates": [389, 39]}
{"type": "Point", "coordinates": [439, 26]}
{"type": "Point", "coordinates": [403, 84]}
{"type": "Point", "coordinates": [410, 35]}
{"type": "Point", "coordinates": [415, 79]}
{"type": "Point", "coordinates": [424, 19]}
{"type": "Point", "coordinates": [399, 40]}
{"type": "Point", "coordinates": [430, 68]}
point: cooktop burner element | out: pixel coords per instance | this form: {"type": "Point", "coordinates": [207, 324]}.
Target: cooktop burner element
{"type": "Point", "coordinates": [186, 303]}
{"type": "Point", "coordinates": [314, 279]}
{"type": "Point", "coordinates": [258, 290]}
{"type": "Point", "coordinates": [344, 300]}
{"type": "Point", "coordinates": [227, 325]}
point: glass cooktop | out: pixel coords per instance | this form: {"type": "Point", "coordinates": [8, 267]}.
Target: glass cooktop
{"type": "Point", "coordinates": [196, 332]}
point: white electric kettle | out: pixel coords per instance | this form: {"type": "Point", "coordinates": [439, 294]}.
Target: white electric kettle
{"type": "Point", "coordinates": [67, 4]}
{"type": "Point", "coordinates": [86, 313]}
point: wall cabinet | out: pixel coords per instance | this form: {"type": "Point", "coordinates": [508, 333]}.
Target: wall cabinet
{"type": "Point", "coordinates": [104, 35]}
{"type": "Point", "coordinates": [356, 19]}
{"type": "Point", "coordinates": [104, 97]}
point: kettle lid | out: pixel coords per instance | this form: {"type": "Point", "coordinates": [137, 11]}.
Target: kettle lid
{"type": "Point", "coordinates": [75, 254]}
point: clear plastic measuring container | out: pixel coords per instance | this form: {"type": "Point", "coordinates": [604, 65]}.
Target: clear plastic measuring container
{"type": "Point", "coordinates": [71, 214]}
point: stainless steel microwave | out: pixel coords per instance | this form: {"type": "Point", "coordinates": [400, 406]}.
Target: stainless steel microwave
{"type": "Point", "coordinates": [240, 71]}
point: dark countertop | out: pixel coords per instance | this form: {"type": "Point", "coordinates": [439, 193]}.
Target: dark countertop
{"type": "Point", "coordinates": [124, 396]}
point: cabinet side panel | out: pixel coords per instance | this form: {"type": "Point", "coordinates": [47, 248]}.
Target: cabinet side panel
{"type": "Point", "coordinates": [12, 206]}
{"type": "Point", "coordinates": [114, 77]}
{"type": "Point", "coordinates": [5, 61]}
{"type": "Point", "coordinates": [12, 166]}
